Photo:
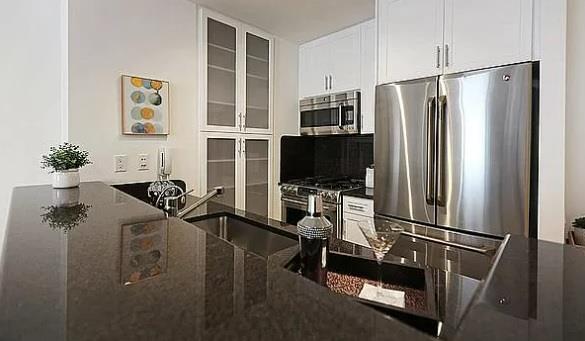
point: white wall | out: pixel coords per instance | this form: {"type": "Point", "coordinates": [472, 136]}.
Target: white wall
{"type": "Point", "coordinates": [550, 47]}
{"type": "Point", "coordinates": [575, 114]}
{"type": "Point", "coordinates": [31, 64]}
{"type": "Point", "coordinates": [149, 38]}
{"type": "Point", "coordinates": [286, 112]}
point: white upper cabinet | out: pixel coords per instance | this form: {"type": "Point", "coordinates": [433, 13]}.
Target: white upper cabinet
{"type": "Point", "coordinates": [314, 69]}
{"type": "Point", "coordinates": [330, 64]}
{"type": "Point", "coordinates": [480, 34]}
{"type": "Point", "coordinates": [236, 76]}
{"type": "Point", "coordinates": [410, 38]}
{"type": "Point", "coordinates": [424, 38]}
{"type": "Point", "coordinates": [368, 76]}
{"type": "Point", "coordinates": [344, 60]}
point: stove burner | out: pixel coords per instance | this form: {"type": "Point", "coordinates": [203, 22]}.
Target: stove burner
{"type": "Point", "coordinates": [327, 183]}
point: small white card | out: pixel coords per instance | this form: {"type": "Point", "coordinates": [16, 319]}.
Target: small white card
{"type": "Point", "coordinates": [382, 295]}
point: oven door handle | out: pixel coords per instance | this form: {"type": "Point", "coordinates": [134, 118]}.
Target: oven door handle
{"type": "Point", "coordinates": [295, 202]}
{"type": "Point", "coordinates": [302, 205]}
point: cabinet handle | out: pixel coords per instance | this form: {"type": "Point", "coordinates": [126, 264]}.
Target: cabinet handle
{"type": "Point", "coordinates": [325, 82]}
{"type": "Point", "coordinates": [357, 208]}
{"type": "Point", "coordinates": [244, 121]}
{"type": "Point", "coordinates": [239, 148]}
{"type": "Point", "coordinates": [446, 55]}
{"type": "Point", "coordinates": [243, 147]}
{"type": "Point", "coordinates": [330, 82]}
{"type": "Point", "coordinates": [438, 57]}
{"type": "Point", "coordinates": [240, 121]}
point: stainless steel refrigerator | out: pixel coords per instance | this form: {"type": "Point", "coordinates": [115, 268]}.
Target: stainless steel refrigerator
{"type": "Point", "coordinates": [455, 150]}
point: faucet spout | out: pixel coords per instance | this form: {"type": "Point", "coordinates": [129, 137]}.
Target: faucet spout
{"type": "Point", "coordinates": [210, 195]}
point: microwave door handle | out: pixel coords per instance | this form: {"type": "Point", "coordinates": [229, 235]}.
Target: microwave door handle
{"type": "Point", "coordinates": [340, 115]}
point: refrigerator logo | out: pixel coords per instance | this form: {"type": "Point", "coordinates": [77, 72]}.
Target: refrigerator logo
{"type": "Point", "coordinates": [506, 78]}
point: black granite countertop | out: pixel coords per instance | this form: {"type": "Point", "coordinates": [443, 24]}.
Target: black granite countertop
{"type": "Point", "coordinates": [76, 281]}
{"type": "Point", "coordinates": [364, 192]}
{"type": "Point", "coordinates": [70, 284]}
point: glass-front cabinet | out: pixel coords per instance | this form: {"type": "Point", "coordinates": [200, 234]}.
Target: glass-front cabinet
{"type": "Point", "coordinates": [256, 153]}
{"type": "Point", "coordinates": [241, 164]}
{"type": "Point", "coordinates": [221, 167]}
{"type": "Point", "coordinates": [236, 64]}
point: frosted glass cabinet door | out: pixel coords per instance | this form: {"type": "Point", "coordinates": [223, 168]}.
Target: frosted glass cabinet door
{"type": "Point", "coordinates": [221, 168]}
{"type": "Point", "coordinates": [221, 74]}
{"type": "Point", "coordinates": [257, 82]}
{"type": "Point", "coordinates": [257, 176]}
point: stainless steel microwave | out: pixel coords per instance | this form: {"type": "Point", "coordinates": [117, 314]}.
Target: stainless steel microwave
{"type": "Point", "coordinates": [331, 114]}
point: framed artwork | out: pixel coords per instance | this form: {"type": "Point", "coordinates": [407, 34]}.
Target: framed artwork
{"type": "Point", "coordinates": [144, 251]}
{"type": "Point", "coordinates": [145, 106]}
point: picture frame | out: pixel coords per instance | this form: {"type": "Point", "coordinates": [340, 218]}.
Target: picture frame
{"type": "Point", "coordinates": [145, 108]}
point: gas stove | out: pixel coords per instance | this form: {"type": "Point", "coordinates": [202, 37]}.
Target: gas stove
{"type": "Point", "coordinates": [330, 189]}
{"type": "Point", "coordinates": [295, 193]}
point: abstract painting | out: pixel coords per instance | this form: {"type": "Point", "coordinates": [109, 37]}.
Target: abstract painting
{"type": "Point", "coordinates": [145, 106]}
{"type": "Point", "coordinates": [144, 251]}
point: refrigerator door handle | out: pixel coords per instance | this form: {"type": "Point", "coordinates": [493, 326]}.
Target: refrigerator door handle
{"type": "Point", "coordinates": [340, 115]}
{"type": "Point", "coordinates": [441, 151]}
{"type": "Point", "coordinates": [431, 123]}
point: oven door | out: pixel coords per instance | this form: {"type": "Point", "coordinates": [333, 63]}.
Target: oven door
{"type": "Point", "coordinates": [293, 210]}
{"type": "Point", "coordinates": [329, 118]}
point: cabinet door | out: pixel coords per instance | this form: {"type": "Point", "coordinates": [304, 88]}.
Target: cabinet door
{"type": "Point", "coordinates": [256, 153]}
{"type": "Point", "coordinates": [351, 229]}
{"type": "Point", "coordinates": [258, 59]}
{"type": "Point", "coordinates": [220, 155]}
{"type": "Point", "coordinates": [220, 57]}
{"type": "Point", "coordinates": [410, 39]}
{"type": "Point", "coordinates": [344, 60]}
{"type": "Point", "coordinates": [368, 75]}
{"type": "Point", "coordinates": [314, 69]}
{"type": "Point", "coordinates": [480, 34]}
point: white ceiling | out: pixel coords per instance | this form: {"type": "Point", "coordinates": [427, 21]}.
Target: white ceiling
{"type": "Point", "coordinates": [295, 20]}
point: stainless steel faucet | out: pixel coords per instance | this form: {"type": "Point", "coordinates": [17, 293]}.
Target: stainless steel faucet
{"type": "Point", "coordinates": [171, 204]}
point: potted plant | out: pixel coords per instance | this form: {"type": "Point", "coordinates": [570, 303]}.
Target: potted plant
{"type": "Point", "coordinates": [579, 225]}
{"type": "Point", "coordinates": [64, 162]}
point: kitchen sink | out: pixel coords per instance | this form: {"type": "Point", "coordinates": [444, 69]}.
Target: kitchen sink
{"type": "Point", "coordinates": [347, 275]}
{"type": "Point", "coordinates": [253, 237]}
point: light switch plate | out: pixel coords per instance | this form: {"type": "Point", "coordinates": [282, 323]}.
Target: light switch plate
{"type": "Point", "coordinates": [120, 163]}
{"type": "Point", "coordinates": [143, 162]}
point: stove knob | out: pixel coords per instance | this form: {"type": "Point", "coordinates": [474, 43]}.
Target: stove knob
{"type": "Point", "coordinates": [328, 196]}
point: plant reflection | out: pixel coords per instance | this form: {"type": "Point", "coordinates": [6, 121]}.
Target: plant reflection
{"type": "Point", "coordinates": [65, 218]}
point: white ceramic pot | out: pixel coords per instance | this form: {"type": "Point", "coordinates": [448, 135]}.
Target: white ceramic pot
{"type": "Point", "coordinates": [66, 179]}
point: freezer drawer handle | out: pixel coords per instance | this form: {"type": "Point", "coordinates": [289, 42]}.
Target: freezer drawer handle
{"type": "Point", "coordinates": [430, 183]}
{"type": "Point", "coordinates": [441, 151]}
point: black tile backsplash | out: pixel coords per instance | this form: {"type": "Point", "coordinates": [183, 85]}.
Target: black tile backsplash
{"type": "Point", "coordinates": [329, 156]}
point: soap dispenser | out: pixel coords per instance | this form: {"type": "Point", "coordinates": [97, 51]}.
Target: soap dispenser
{"type": "Point", "coordinates": [314, 232]}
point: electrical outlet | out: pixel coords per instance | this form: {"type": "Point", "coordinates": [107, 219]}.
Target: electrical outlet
{"type": "Point", "coordinates": [120, 163]}
{"type": "Point", "coordinates": [143, 162]}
